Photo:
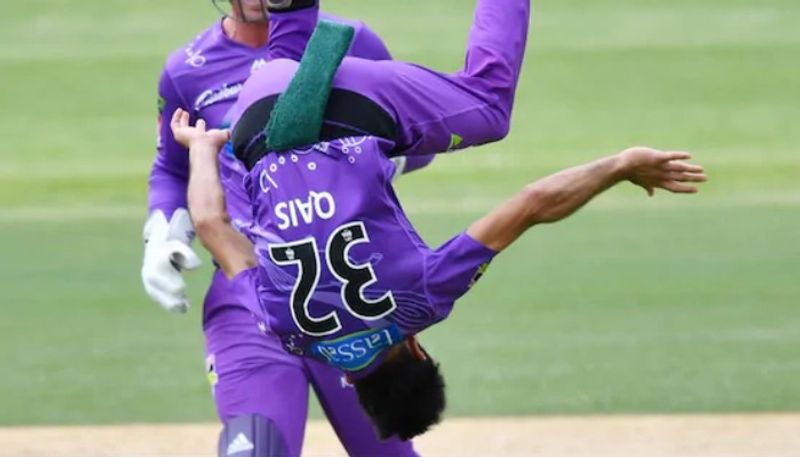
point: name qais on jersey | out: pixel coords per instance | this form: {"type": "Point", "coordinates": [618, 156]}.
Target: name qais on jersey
{"type": "Point", "coordinates": [303, 209]}
{"type": "Point", "coordinates": [301, 186]}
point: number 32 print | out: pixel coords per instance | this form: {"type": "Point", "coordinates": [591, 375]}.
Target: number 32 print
{"type": "Point", "coordinates": [354, 278]}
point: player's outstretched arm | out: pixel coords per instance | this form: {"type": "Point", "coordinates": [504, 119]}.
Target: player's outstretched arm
{"type": "Point", "coordinates": [232, 250]}
{"type": "Point", "coordinates": [558, 196]}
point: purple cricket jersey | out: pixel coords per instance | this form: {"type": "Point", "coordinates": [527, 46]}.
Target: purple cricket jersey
{"type": "Point", "coordinates": [342, 274]}
{"type": "Point", "coordinates": [205, 78]}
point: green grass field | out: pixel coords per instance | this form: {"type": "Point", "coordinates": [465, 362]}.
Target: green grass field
{"type": "Point", "coordinates": [670, 305]}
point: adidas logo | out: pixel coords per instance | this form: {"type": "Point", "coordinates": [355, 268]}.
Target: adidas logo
{"type": "Point", "coordinates": [240, 444]}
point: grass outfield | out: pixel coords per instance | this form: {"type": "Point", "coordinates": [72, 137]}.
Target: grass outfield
{"type": "Point", "coordinates": [676, 304]}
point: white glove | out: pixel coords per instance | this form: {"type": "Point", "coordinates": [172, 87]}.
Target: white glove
{"type": "Point", "coordinates": [166, 254]}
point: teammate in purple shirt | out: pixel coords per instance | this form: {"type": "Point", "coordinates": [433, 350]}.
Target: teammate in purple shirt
{"type": "Point", "coordinates": [257, 386]}
{"type": "Point", "coordinates": [337, 267]}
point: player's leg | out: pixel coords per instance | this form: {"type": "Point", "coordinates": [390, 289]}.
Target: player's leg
{"type": "Point", "coordinates": [290, 27]}
{"type": "Point", "coordinates": [436, 112]}
{"type": "Point", "coordinates": [355, 431]}
{"type": "Point", "coordinates": [261, 393]}
{"type": "Point", "coordinates": [252, 435]}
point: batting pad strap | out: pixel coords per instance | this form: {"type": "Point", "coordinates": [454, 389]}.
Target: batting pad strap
{"type": "Point", "coordinates": [298, 115]}
{"type": "Point", "coordinates": [251, 436]}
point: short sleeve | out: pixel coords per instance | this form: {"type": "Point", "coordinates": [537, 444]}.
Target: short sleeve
{"type": "Point", "coordinates": [169, 175]}
{"type": "Point", "coordinates": [452, 269]}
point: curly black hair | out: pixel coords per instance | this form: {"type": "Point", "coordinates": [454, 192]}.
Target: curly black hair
{"type": "Point", "coordinates": [405, 396]}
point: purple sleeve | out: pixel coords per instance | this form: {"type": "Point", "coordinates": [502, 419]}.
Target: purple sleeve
{"type": "Point", "coordinates": [453, 269]}
{"type": "Point", "coordinates": [169, 176]}
{"type": "Point", "coordinates": [368, 45]}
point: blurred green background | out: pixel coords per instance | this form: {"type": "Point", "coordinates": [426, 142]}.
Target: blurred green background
{"type": "Point", "coordinates": [634, 305]}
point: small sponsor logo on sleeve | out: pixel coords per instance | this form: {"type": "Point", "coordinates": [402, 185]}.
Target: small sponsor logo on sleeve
{"type": "Point", "coordinates": [455, 141]}
{"type": "Point", "coordinates": [479, 274]}
{"type": "Point", "coordinates": [195, 57]}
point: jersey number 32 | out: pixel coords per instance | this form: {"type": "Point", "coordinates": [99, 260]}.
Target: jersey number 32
{"type": "Point", "coordinates": [354, 278]}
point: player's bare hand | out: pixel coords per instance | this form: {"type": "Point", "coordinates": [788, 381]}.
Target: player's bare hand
{"type": "Point", "coordinates": [191, 136]}
{"type": "Point", "coordinates": [652, 169]}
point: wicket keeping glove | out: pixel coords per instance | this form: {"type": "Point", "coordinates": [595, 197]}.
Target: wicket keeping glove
{"type": "Point", "coordinates": [166, 254]}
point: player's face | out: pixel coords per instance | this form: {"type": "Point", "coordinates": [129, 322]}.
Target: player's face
{"type": "Point", "coordinates": [249, 10]}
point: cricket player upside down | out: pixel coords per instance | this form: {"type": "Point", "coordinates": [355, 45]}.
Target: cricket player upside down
{"type": "Point", "coordinates": [331, 261]}
{"type": "Point", "coordinates": [260, 392]}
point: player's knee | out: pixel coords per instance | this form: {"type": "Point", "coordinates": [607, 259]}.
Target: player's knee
{"type": "Point", "coordinates": [503, 126]}
{"type": "Point", "coordinates": [404, 397]}
{"type": "Point", "coordinates": [500, 124]}
{"type": "Point", "coordinates": [251, 436]}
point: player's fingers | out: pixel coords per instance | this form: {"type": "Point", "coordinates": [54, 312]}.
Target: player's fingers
{"type": "Point", "coordinates": [181, 307]}
{"type": "Point", "coordinates": [184, 122]}
{"type": "Point", "coordinates": [685, 177]}
{"type": "Point", "coordinates": [678, 188]}
{"type": "Point", "coordinates": [201, 125]}
{"type": "Point", "coordinates": [177, 304]}
{"type": "Point", "coordinates": [683, 167]}
{"type": "Point", "coordinates": [169, 281]}
{"type": "Point", "coordinates": [183, 255]}
{"type": "Point", "coordinates": [693, 177]}
{"type": "Point", "coordinates": [176, 118]}
{"type": "Point", "coordinates": [167, 301]}
{"type": "Point", "coordinates": [675, 155]}
{"type": "Point", "coordinates": [155, 289]}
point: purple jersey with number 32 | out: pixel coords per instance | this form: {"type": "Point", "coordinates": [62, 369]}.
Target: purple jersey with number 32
{"type": "Point", "coordinates": [330, 234]}
{"type": "Point", "coordinates": [342, 274]}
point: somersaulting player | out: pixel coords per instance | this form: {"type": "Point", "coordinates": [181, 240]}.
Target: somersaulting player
{"type": "Point", "coordinates": [336, 267]}
{"type": "Point", "coordinates": [261, 393]}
